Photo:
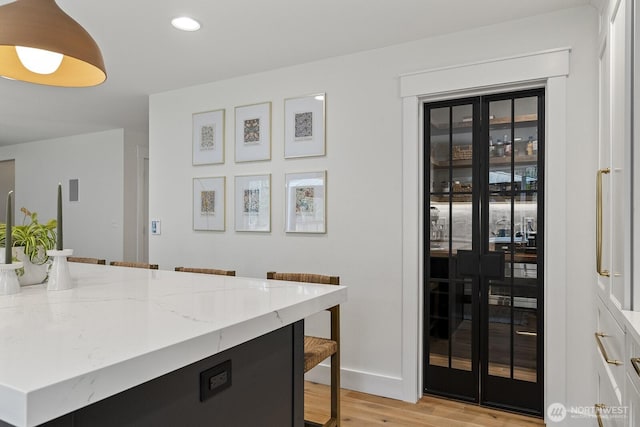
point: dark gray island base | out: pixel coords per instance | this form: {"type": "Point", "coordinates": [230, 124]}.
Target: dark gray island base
{"type": "Point", "coordinates": [267, 389]}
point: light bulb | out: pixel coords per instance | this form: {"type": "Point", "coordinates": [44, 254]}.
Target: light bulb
{"type": "Point", "coordinates": [185, 23]}
{"type": "Point", "coordinates": [39, 61]}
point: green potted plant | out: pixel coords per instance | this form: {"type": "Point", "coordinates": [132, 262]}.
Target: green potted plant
{"type": "Point", "coordinates": [31, 241]}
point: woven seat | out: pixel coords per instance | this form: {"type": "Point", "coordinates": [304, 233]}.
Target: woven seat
{"type": "Point", "coordinates": [86, 260]}
{"type": "Point", "coordinates": [207, 271]}
{"type": "Point", "coordinates": [134, 265]}
{"type": "Point", "coordinates": [317, 349]}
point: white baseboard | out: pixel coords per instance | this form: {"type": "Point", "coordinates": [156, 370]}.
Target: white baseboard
{"type": "Point", "coordinates": [366, 382]}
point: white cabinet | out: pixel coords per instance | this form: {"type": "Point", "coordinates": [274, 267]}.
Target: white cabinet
{"type": "Point", "coordinates": [615, 134]}
{"type": "Point", "coordinates": [620, 125]}
{"type": "Point", "coordinates": [610, 342]}
{"type": "Point", "coordinates": [632, 402]}
{"type": "Point", "coordinates": [612, 379]}
{"type": "Point", "coordinates": [608, 408]}
{"type": "Point", "coordinates": [603, 249]}
{"type": "Point", "coordinates": [617, 336]}
{"type": "Point", "coordinates": [632, 382]}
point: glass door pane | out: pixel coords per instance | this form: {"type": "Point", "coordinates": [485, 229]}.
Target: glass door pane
{"type": "Point", "coordinates": [526, 286]}
{"type": "Point", "coordinates": [513, 220]}
{"type": "Point", "coordinates": [439, 248]}
{"type": "Point", "coordinates": [462, 327]}
{"type": "Point", "coordinates": [450, 227]}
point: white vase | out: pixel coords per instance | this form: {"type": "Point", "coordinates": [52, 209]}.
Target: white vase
{"type": "Point", "coordinates": [33, 273]}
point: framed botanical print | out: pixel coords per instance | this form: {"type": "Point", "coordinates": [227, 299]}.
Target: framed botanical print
{"type": "Point", "coordinates": [305, 201]}
{"type": "Point", "coordinates": [208, 137]}
{"type": "Point", "coordinates": [304, 126]}
{"type": "Point", "coordinates": [253, 203]}
{"type": "Point", "coordinates": [209, 203]}
{"type": "Point", "coordinates": [253, 132]}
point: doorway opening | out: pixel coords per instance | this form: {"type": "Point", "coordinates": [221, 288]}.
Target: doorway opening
{"type": "Point", "coordinates": [7, 183]}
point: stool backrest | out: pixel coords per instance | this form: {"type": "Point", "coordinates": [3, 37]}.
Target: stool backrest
{"type": "Point", "coordinates": [86, 260]}
{"type": "Point", "coordinates": [207, 271]}
{"type": "Point", "coordinates": [135, 265]}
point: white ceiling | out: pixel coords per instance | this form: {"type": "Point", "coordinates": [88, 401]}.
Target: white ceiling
{"type": "Point", "coordinates": [145, 55]}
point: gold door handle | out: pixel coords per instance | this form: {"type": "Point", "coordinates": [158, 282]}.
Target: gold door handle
{"type": "Point", "coordinates": [601, 272]}
{"type": "Point", "coordinates": [599, 406]}
{"type": "Point", "coordinates": [635, 362]}
{"type": "Point", "coordinates": [603, 351]}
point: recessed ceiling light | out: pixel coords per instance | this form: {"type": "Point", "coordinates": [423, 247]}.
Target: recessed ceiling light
{"type": "Point", "coordinates": [185, 23]}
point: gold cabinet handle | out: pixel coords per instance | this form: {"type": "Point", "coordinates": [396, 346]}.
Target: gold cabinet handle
{"type": "Point", "coordinates": [599, 406]}
{"type": "Point", "coordinates": [527, 333]}
{"type": "Point", "coordinates": [601, 272]}
{"type": "Point", "coordinates": [603, 351]}
{"type": "Point", "coordinates": [635, 362]}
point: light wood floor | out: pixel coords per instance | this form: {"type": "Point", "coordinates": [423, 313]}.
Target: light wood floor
{"type": "Point", "coordinates": [360, 409]}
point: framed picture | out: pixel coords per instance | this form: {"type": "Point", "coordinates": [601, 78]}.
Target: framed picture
{"type": "Point", "coordinates": [253, 132]}
{"type": "Point", "coordinates": [253, 203]}
{"type": "Point", "coordinates": [208, 137]}
{"type": "Point", "coordinates": [304, 127]}
{"type": "Point", "coordinates": [208, 203]}
{"type": "Point", "coordinates": [306, 202]}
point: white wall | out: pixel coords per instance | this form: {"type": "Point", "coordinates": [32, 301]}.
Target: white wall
{"type": "Point", "coordinates": [93, 226]}
{"type": "Point", "coordinates": [364, 163]}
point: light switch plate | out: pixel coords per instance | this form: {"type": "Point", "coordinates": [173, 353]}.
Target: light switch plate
{"type": "Point", "coordinates": [156, 227]}
{"type": "Point", "coordinates": [73, 190]}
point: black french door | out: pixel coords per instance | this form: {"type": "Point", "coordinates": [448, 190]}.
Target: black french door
{"type": "Point", "coordinates": [483, 255]}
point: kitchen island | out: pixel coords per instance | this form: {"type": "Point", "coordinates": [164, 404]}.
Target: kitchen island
{"type": "Point", "coordinates": [131, 346]}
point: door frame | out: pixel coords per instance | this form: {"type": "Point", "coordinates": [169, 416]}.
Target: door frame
{"type": "Point", "coordinates": [548, 69]}
{"type": "Point", "coordinates": [142, 153]}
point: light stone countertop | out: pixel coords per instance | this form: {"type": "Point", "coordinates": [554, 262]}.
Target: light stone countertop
{"type": "Point", "coordinates": [120, 327]}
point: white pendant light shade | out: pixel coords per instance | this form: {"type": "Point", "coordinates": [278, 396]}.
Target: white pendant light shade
{"type": "Point", "coordinates": [73, 56]}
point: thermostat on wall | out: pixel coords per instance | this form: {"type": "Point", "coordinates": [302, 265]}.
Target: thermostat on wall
{"type": "Point", "coordinates": [155, 227]}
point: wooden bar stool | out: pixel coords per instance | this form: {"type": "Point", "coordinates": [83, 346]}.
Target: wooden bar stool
{"type": "Point", "coordinates": [135, 265]}
{"type": "Point", "coordinates": [207, 271]}
{"type": "Point", "coordinates": [86, 260]}
{"type": "Point", "coordinates": [317, 349]}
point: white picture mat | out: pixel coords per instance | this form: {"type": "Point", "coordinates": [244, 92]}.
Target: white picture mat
{"type": "Point", "coordinates": [214, 220]}
{"type": "Point", "coordinates": [307, 145]}
{"type": "Point", "coordinates": [305, 202]}
{"type": "Point", "coordinates": [261, 148]}
{"type": "Point", "coordinates": [215, 154]}
{"type": "Point", "coordinates": [253, 214]}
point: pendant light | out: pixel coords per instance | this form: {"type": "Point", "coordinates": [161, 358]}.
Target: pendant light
{"type": "Point", "coordinates": [40, 43]}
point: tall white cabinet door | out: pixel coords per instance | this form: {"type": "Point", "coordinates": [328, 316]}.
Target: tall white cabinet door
{"type": "Point", "coordinates": [604, 165]}
{"type": "Point", "coordinates": [635, 157]}
{"type": "Point", "coordinates": [620, 36]}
